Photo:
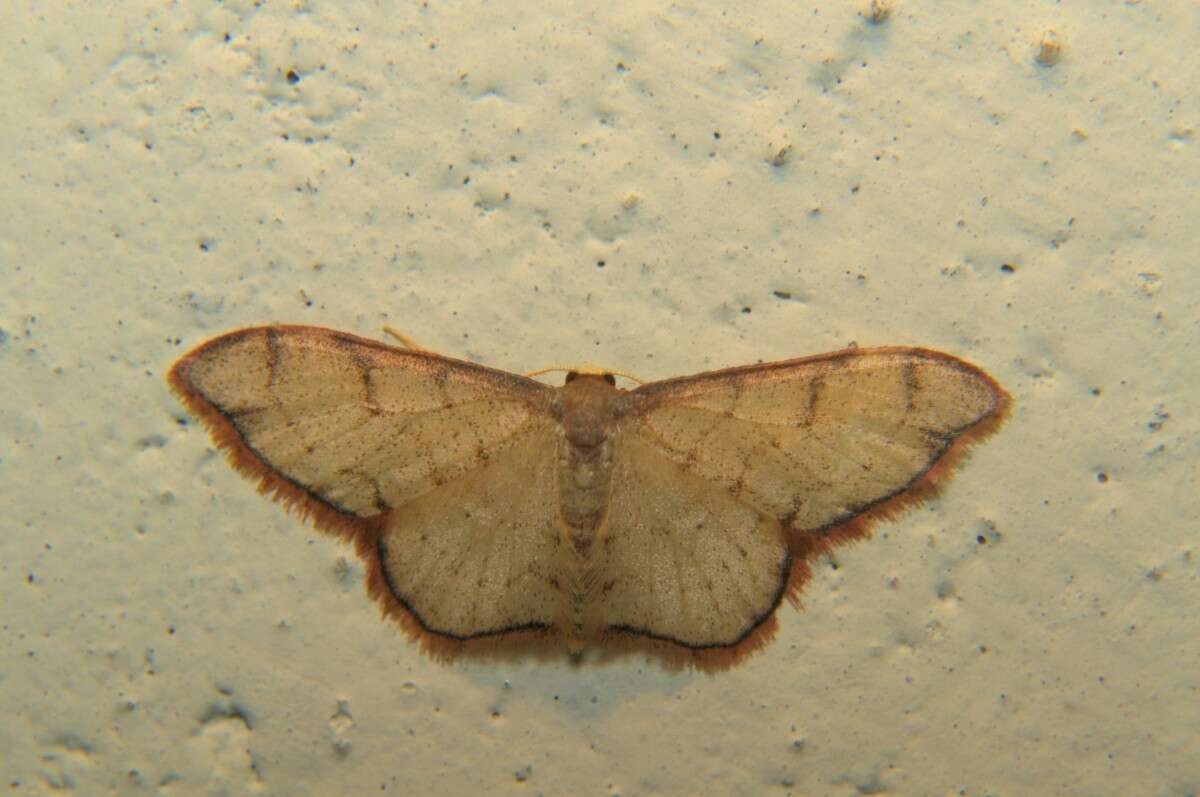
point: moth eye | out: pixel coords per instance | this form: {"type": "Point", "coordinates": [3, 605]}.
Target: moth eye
{"type": "Point", "coordinates": [612, 380]}
{"type": "Point", "coordinates": [571, 376]}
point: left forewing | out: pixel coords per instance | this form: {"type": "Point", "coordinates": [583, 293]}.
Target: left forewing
{"type": "Point", "coordinates": [347, 427]}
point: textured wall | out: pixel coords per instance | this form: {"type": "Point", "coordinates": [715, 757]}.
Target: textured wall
{"type": "Point", "coordinates": [662, 189]}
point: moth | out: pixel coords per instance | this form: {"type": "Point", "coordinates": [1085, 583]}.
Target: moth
{"type": "Point", "coordinates": [491, 508]}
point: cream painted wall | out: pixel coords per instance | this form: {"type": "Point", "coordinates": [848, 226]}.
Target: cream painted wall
{"type": "Point", "coordinates": [636, 186]}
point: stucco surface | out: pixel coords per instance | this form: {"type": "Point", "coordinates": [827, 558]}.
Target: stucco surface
{"type": "Point", "coordinates": [663, 189]}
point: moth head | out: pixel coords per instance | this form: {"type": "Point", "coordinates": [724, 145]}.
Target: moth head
{"type": "Point", "coordinates": [590, 370]}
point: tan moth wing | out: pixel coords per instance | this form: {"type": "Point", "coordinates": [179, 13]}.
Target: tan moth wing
{"type": "Point", "coordinates": [726, 484]}
{"type": "Point", "coordinates": [440, 471]}
{"type": "Point", "coordinates": [492, 509]}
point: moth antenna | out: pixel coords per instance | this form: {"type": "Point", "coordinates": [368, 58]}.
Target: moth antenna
{"type": "Point", "coordinates": [590, 370]}
{"type": "Point", "coordinates": [405, 340]}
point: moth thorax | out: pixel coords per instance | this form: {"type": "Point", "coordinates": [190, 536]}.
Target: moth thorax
{"type": "Point", "coordinates": [586, 409]}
